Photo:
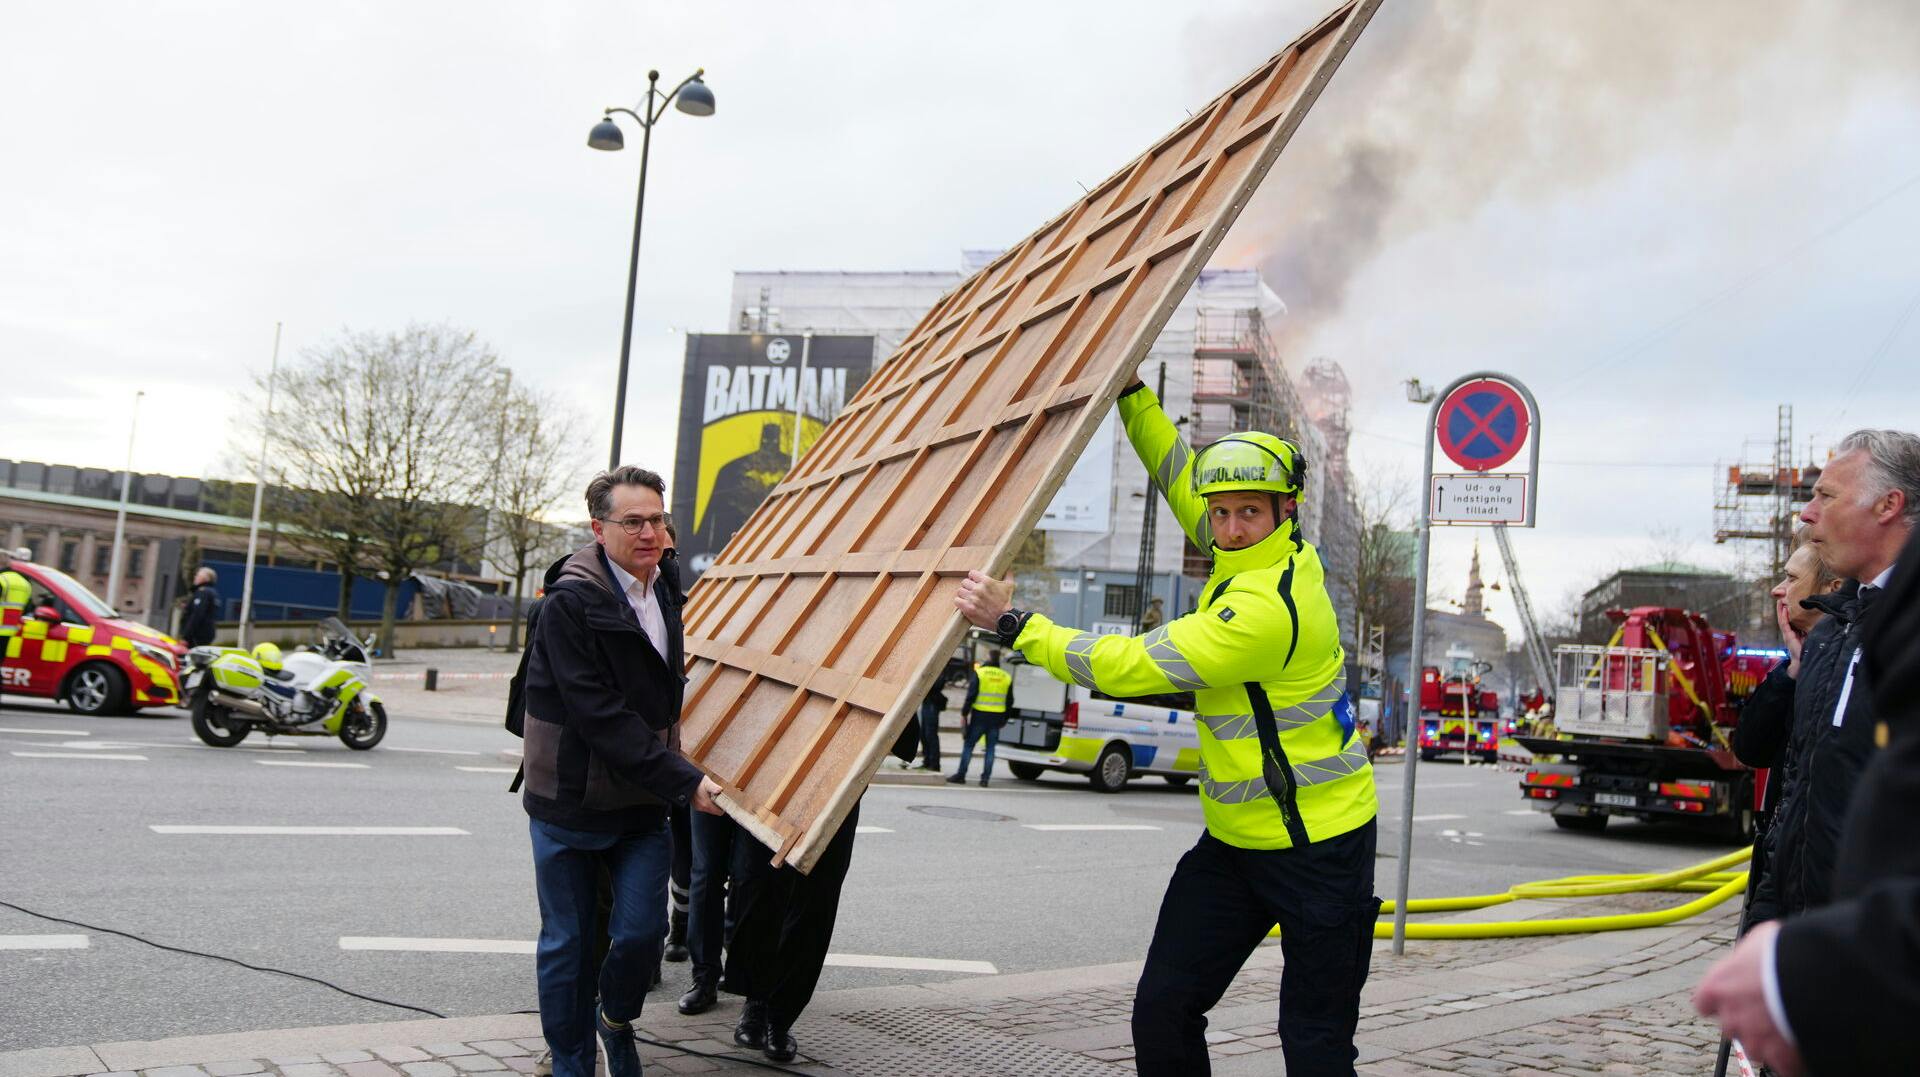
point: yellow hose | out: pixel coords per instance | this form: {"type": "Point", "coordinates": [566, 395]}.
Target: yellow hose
{"type": "Point", "coordinates": [1709, 878]}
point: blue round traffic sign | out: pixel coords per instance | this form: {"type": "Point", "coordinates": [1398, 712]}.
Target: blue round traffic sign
{"type": "Point", "coordinates": [1482, 424]}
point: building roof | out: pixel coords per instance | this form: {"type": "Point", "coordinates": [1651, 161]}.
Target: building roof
{"type": "Point", "coordinates": [134, 508]}
{"type": "Point", "coordinates": [1671, 568]}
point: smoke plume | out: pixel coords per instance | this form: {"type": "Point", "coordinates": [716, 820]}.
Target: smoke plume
{"type": "Point", "coordinates": [1444, 109]}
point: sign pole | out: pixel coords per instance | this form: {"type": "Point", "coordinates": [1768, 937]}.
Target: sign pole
{"type": "Point", "coordinates": [1416, 659]}
{"type": "Point", "coordinates": [1513, 410]}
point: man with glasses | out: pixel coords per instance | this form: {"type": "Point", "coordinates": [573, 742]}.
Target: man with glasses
{"type": "Point", "coordinates": [603, 767]}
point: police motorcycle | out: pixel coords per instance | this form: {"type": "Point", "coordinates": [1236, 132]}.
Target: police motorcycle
{"type": "Point", "coordinates": [317, 691]}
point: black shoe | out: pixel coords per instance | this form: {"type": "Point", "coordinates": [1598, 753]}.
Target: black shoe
{"type": "Point", "coordinates": [699, 998]}
{"type": "Point", "coordinates": [623, 1055]}
{"type": "Point", "coordinates": [983, 783]}
{"type": "Point", "coordinates": [751, 1031]}
{"type": "Point", "coordinates": [780, 1046]}
{"type": "Point", "coordinates": [676, 950]}
{"type": "Point", "coordinates": [956, 779]}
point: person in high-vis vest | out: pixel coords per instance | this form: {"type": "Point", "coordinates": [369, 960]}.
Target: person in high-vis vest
{"type": "Point", "coordinates": [1284, 782]}
{"type": "Point", "coordinates": [15, 591]}
{"type": "Point", "coordinates": [989, 694]}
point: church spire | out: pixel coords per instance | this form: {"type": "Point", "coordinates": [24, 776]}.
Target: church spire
{"type": "Point", "coordinates": [1475, 605]}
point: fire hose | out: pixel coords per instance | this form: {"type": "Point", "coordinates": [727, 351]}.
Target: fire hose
{"type": "Point", "coordinates": [1711, 879]}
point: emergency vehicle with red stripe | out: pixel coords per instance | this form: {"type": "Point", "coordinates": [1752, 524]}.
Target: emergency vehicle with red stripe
{"type": "Point", "coordinates": [70, 645]}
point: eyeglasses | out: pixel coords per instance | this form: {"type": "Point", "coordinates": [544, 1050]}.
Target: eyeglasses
{"type": "Point", "coordinates": [632, 524]}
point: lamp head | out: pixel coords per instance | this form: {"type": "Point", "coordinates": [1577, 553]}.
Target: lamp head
{"type": "Point", "coordinates": [694, 98]}
{"type": "Point", "coordinates": [606, 136]}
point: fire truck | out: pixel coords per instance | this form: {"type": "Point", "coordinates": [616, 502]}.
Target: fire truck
{"type": "Point", "coordinates": [1456, 713]}
{"type": "Point", "coordinates": [1640, 727]}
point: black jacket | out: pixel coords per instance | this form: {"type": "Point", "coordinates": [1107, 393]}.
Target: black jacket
{"type": "Point", "coordinates": [203, 609]}
{"type": "Point", "coordinates": [1822, 761]}
{"type": "Point", "coordinates": [1760, 741]}
{"type": "Point", "coordinates": [1850, 972]}
{"type": "Point", "coordinates": [602, 706]}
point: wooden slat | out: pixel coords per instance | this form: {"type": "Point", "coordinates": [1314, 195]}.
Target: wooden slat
{"type": "Point", "coordinates": [819, 627]}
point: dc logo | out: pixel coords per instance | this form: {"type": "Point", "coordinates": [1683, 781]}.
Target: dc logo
{"type": "Point", "coordinates": [778, 349]}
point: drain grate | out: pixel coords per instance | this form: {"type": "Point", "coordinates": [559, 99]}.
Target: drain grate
{"type": "Point", "coordinates": [948, 1041]}
{"type": "Point", "coordinates": [967, 814]}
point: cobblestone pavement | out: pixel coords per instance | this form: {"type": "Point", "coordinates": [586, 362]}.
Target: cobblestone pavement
{"type": "Point", "coordinates": [1614, 1003]}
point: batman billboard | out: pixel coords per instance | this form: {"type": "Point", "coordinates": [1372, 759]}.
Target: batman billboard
{"type": "Point", "coordinates": [741, 397]}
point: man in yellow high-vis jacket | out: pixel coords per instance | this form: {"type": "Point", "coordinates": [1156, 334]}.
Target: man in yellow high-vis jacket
{"type": "Point", "coordinates": [1284, 781]}
{"type": "Point", "coordinates": [989, 693]}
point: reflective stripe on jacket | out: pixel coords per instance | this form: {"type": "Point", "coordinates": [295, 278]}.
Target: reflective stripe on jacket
{"type": "Point", "coordinates": [1264, 641]}
{"type": "Point", "coordinates": [994, 684]}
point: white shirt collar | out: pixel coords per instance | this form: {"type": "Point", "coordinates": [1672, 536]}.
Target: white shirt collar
{"type": "Point", "coordinates": [1881, 580]}
{"type": "Point", "coordinates": [625, 580]}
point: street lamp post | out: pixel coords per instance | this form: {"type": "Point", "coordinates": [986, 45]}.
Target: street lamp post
{"type": "Point", "coordinates": [693, 98]}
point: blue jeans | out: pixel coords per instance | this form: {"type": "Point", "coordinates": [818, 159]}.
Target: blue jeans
{"type": "Point", "coordinates": [981, 725]}
{"type": "Point", "coordinates": [564, 862]}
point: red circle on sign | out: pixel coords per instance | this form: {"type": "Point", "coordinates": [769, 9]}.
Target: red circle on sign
{"type": "Point", "coordinates": [1482, 424]}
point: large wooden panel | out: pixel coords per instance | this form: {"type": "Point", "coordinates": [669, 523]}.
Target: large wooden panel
{"type": "Point", "coordinates": [817, 630]}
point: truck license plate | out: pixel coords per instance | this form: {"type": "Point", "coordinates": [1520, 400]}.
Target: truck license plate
{"type": "Point", "coordinates": [1618, 800]}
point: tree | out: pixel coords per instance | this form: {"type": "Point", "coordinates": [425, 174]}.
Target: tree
{"type": "Point", "coordinates": [1381, 579]}
{"type": "Point", "coordinates": [538, 467]}
{"type": "Point", "coordinates": [429, 425]}
{"type": "Point", "coordinates": [325, 464]}
{"type": "Point", "coordinates": [377, 447]}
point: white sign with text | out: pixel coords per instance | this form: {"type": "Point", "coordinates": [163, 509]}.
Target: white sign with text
{"type": "Point", "coordinates": [1478, 499]}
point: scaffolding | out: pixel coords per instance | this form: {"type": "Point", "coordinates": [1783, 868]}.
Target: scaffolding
{"type": "Point", "coordinates": [1238, 384]}
{"type": "Point", "coordinates": [1761, 498]}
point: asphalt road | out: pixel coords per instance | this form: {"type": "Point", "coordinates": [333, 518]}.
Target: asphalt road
{"type": "Point", "coordinates": [949, 874]}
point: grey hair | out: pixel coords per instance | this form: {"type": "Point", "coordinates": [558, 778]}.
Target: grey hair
{"type": "Point", "coordinates": [600, 490]}
{"type": "Point", "coordinates": [1823, 577]}
{"type": "Point", "coordinates": [212, 576]}
{"type": "Point", "coordinates": [1893, 463]}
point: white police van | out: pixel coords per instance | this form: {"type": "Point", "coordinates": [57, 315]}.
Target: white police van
{"type": "Point", "coordinates": [1056, 726]}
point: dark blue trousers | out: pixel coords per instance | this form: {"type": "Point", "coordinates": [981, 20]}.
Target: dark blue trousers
{"type": "Point", "coordinates": [709, 913]}
{"type": "Point", "coordinates": [981, 725]}
{"type": "Point", "coordinates": [930, 736]}
{"type": "Point", "coordinates": [564, 866]}
{"type": "Point", "coordinates": [1220, 904]}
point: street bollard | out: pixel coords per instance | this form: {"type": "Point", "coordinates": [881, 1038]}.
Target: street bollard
{"type": "Point", "coordinates": [433, 679]}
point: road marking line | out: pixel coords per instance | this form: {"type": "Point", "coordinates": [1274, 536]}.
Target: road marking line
{"type": "Point", "coordinates": [436, 946]}
{"type": "Point", "coordinates": [310, 763]}
{"type": "Point", "coordinates": [489, 770]}
{"type": "Point", "coordinates": [305, 831]}
{"type": "Point", "coordinates": [433, 751]}
{"type": "Point", "coordinates": [1523, 811]}
{"type": "Point", "coordinates": [871, 830]}
{"type": "Point", "coordinates": [79, 755]}
{"type": "Point", "coordinates": [46, 733]}
{"type": "Point", "coordinates": [922, 964]}
{"type": "Point", "coordinates": [1435, 818]}
{"type": "Point", "coordinates": [1087, 826]}
{"type": "Point", "coordinates": [43, 942]}
{"type": "Point", "coordinates": [384, 944]}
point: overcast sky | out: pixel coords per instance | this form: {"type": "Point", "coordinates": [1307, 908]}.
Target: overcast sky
{"type": "Point", "coordinates": [1666, 218]}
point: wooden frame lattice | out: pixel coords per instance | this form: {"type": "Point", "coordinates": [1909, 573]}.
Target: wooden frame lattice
{"type": "Point", "coordinates": [815, 633]}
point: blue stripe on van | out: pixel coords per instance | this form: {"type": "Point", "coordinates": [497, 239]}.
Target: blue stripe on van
{"type": "Point", "coordinates": [1143, 754]}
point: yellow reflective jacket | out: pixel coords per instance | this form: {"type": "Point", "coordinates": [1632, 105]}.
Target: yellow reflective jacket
{"type": "Point", "coordinates": [995, 684]}
{"type": "Point", "coordinates": [1263, 641]}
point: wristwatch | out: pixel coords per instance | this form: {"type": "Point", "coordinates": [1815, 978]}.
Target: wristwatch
{"type": "Point", "coordinates": [1010, 624]}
